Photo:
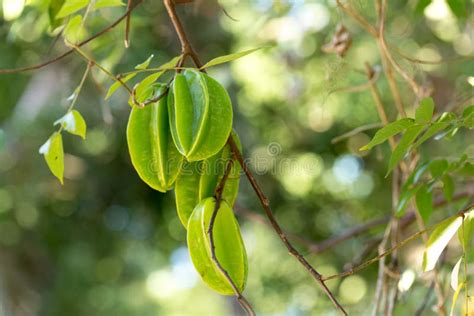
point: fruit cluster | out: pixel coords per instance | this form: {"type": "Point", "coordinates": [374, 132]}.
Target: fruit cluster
{"type": "Point", "coordinates": [180, 141]}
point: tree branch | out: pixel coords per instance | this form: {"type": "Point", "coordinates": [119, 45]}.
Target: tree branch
{"type": "Point", "coordinates": [392, 249]}
{"type": "Point", "coordinates": [70, 51]}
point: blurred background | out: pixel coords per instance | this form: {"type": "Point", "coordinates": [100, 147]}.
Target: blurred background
{"type": "Point", "coordinates": [105, 243]}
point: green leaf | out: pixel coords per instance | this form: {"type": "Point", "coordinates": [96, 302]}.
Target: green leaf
{"type": "Point", "coordinates": [71, 6]}
{"type": "Point", "coordinates": [455, 275]}
{"type": "Point", "coordinates": [442, 123]}
{"type": "Point", "coordinates": [229, 247]}
{"type": "Point", "coordinates": [73, 123]}
{"type": "Point", "coordinates": [388, 131]}
{"type": "Point", "coordinates": [200, 115]}
{"type": "Point", "coordinates": [421, 5]}
{"type": "Point", "coordinates": [53, 153]}
{"type": "Point", "coordinates": [424, 202]}
{"type": "Point", "coordinates": [438, 167]}
{"type": "Point", "coordinates": [468, 117]}
{"type": "Point", "coordinates": [73, 31]}
{"type": "Point", "coordinates": [145, 64]}
{"type": "Point", "coordinates": [118, 84]}
{"type": "Point", "coordinates": [404, 199]}
{"type": "Point", "coordinates": [438, 240]}
{"type": "Point", "coordinates": [108, 3]}
{"type": "Point", "coordinates": [151, 147]}
{"type": "Point", "coordinates": [459, 7]}
{"type": "Point", "coordinates": [455, 298]}
{"type": "Point", "coordinates": [230, 57]}
{"type": "Point", "coordinates": [425, 111]}
{"type": "Point", "coordinates": [403, 145]}
{"type": "Point", "coordinates": [53, 9]}
{"type": "Point", "coordinates": [465, 233]}
{"type": "Point", "coordinates": [142, 89]}
{"type": "Point", "coordinates": [448, 187]}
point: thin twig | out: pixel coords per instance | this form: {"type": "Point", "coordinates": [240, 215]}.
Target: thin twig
{"type": "Point", "coordinates": [430, 62]}
{"type": "Point", "coordinates": [127, 24]}
{"type": "Point", "coordinates": [186, 48]}
{"type": "Point", "coordinates": [388, 56]}
{"type": "Point", "coordinates": [356, 131]}
{"type": "Point", "coordinates": [392, 249]}
{"type": "Point", "coordinates": [70, 51]}
{"type": "Point", "coordinates": [105, 71]}
{"type": "Point", "coordinates": [357, 88]}
{"type": "Point", "coordinates": [359, 18]}
{"type": "Point", "coordinates": [210, 232]}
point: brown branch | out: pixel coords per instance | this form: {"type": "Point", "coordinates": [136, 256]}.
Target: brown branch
{"type": "Point", "coordinates": [392, 249]}
{"type": "Point", "coordinates": [378, 101]}
{"type": "Point", "coordinates": [187, 50]}
{"type": "Point", "coordinates": [127, 24]}
{"type": "Point", "coordinates": [70, 51]}
{"type": "Point", "coordinates": [359, 18]}
{"type": "Point", "coordinates": [276, 227]}
{"type": "Point", "coordinates": [387, 56]}
{"type": "Point", "coordinates": [210, 232]}
{"type": "Point", "coordinates": [430, 62]}
{"type": "Point", "coordinates": [353, 232]}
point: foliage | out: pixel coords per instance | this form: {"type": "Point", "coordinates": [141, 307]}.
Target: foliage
{"type": "Point", "coordinates": [105, 243]}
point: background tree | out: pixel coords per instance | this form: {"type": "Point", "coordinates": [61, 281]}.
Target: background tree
{"type": "Point", "coordinates": [105, 243]}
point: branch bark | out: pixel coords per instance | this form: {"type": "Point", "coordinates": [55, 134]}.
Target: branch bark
{"type": "Point", "coordinates": [80, 44]}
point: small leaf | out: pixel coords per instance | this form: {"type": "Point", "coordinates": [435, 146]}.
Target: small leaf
{"type": "Point", "coordinates": [388, 131]}
{"type": "Point", "coordinates": [108, 3]}
{"type": "Point", "coordinates": [118, 84]}
{"type": "Point", "coordinates": [403, 145]}
{"type": "Point", "coordinates": [405, 197]}
{"type": "Point", "coordinates": [230, 57]}
{"type": "Point", "coordinates": [468, 117]}
{"type": "Point", "coordinates": [424, 202]}
{"type": "Point", "coordinates": [455, 298]}
{"type": "Point", "coordinates": [74, 123]}
{"type": "Point", "coordinates": [438, 240]}
{"type": "Point", "coordinates": [438, 167]}
{"type": "Point", "coordinates": [448, 187]}
{"type": "Point", "coordinates": [430, 132]}
{"type": "Point", "coordinates": [465, 233]}
{"type": "Point", "coordinates": [54, 155]}
{"type": "Point", "coordinates": [53, 9]}
{"type": "Point", "coordinates": [455, 275]}
{"type": "Point", "coordinates": [425, 111]}
{"type": "Point", "coordinates": [73, 30]}
{"type": "Point", "coordinates": [71, 6]}
{"type": "Point", "coordinates": [144, 86]}
{"type": "Point", "coordinates": [145, 64]}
